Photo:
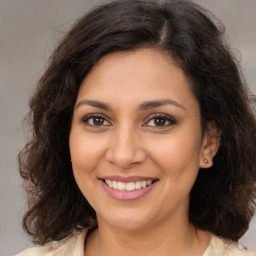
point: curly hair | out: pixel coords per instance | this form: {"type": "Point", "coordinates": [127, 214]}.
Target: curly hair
{"type": "Point", "coordinates": [223, 196]}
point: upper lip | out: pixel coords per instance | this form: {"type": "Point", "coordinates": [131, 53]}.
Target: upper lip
{"type": "Point", "coordinates": [127, 179]}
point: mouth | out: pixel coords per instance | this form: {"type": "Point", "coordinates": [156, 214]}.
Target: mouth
{"type": "Point", "coordinates": [128, 186]}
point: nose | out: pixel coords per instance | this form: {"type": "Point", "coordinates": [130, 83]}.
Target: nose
{"type": "Point", "coordinates": [125, 149]}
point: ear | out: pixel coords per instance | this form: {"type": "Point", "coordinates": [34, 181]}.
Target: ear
{"type": "Point", "coordinates": [210, 144]}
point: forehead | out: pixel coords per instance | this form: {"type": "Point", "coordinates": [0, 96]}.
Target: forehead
{"type": "Point", "coordinates": [137, 63]}
{"type": "Point", "coordinates": [143, 74]}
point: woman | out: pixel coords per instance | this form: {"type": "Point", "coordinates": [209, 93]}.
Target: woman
{"type": "Point", "coordinates": [143, 139]}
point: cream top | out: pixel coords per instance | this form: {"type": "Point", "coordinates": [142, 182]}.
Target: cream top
{"type": "Point", "coordinates": [74, 246]}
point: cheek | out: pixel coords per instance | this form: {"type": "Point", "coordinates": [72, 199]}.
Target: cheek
{"type": "Point", "coordinates": [85, 151]}
{"type": "Point", "coordinates": [177, 155]}
{"type": "Point", "coordinates": [85, 157]}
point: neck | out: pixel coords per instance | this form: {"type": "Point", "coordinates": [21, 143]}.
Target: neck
{"type": "Point", "coordinates": [170, 238]}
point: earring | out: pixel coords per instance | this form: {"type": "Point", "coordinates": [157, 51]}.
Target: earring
{"type": "Point", "coordinates": [206, 161]}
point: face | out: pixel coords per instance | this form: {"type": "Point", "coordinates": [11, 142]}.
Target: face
{"type": "Point", "coordinates": [136, 141]}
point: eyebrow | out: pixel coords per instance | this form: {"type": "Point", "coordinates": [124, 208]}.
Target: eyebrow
{"type": "Point", "coordinates": [94, 103]}
{"type": "Point", "coordinates": [158, 103]}
{"type": "Point", "coordinates": [143, 107]}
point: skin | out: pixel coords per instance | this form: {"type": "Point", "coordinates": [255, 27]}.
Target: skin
{"type": "Point", "coordinates": [130, 142]}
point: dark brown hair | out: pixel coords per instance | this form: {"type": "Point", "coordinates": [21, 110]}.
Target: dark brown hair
{"type": "Point", "coordinates": [222, 199]}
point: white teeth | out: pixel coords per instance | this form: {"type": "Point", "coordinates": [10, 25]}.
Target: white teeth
{"type": "Point", "coordinates": [120, 185]}
{"type": "Point", "coordinates": [114, 184]}
{"type": "Point", "coordinates": [130, 186]}
{"type": "Point", "coordinates": [109, 183]}
{"type": "Point", "coordinates": [149, 182]}
{"type": "Point", "coordinates": [138, 185]}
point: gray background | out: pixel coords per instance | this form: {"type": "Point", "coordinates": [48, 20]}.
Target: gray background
{"type": "Point", "coordinates": [29, 30]}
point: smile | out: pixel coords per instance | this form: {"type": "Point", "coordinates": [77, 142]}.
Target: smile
{"type": "Point", "coordinates": [129, 186]}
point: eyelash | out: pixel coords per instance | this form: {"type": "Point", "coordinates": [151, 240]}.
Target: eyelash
{"type": "Point", "coordinates": [165, 117]}
{"type": "Point", "coordinates": [87, 118]}
{"type": "Point", "coordinates": [152, 117]}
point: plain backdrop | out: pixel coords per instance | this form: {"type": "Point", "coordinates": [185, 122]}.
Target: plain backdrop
{"type": "Point", "coordinates": [29, 31]}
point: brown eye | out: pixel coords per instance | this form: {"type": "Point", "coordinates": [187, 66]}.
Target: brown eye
{"type": "Point", "coordinates": [95, 120]}
{"type": "Point", "coordinates": [159, 121]}
{"type": "Point", "coordinates": [98, 120]}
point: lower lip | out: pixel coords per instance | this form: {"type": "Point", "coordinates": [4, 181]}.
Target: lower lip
{"type": "Point", "coordinates": [127, 195]}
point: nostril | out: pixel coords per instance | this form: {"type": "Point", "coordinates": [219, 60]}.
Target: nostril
{"type": "Point", "coordinates": [125, 157]}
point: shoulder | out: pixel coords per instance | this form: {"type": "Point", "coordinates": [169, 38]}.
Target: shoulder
{"type": "Point", "coordinates": [223, 247]}
{"type": "Point", "coordinates": [73, 245]}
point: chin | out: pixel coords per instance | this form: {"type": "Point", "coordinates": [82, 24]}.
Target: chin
{"type": "Point", "coordinates": [126, 221]}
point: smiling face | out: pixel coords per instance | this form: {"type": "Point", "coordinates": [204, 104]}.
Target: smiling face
{"type": "Point", "coordinates": [136, 141]}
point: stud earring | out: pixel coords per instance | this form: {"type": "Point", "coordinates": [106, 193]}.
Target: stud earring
{"type": "Point", "coordinates": [206, 161]}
